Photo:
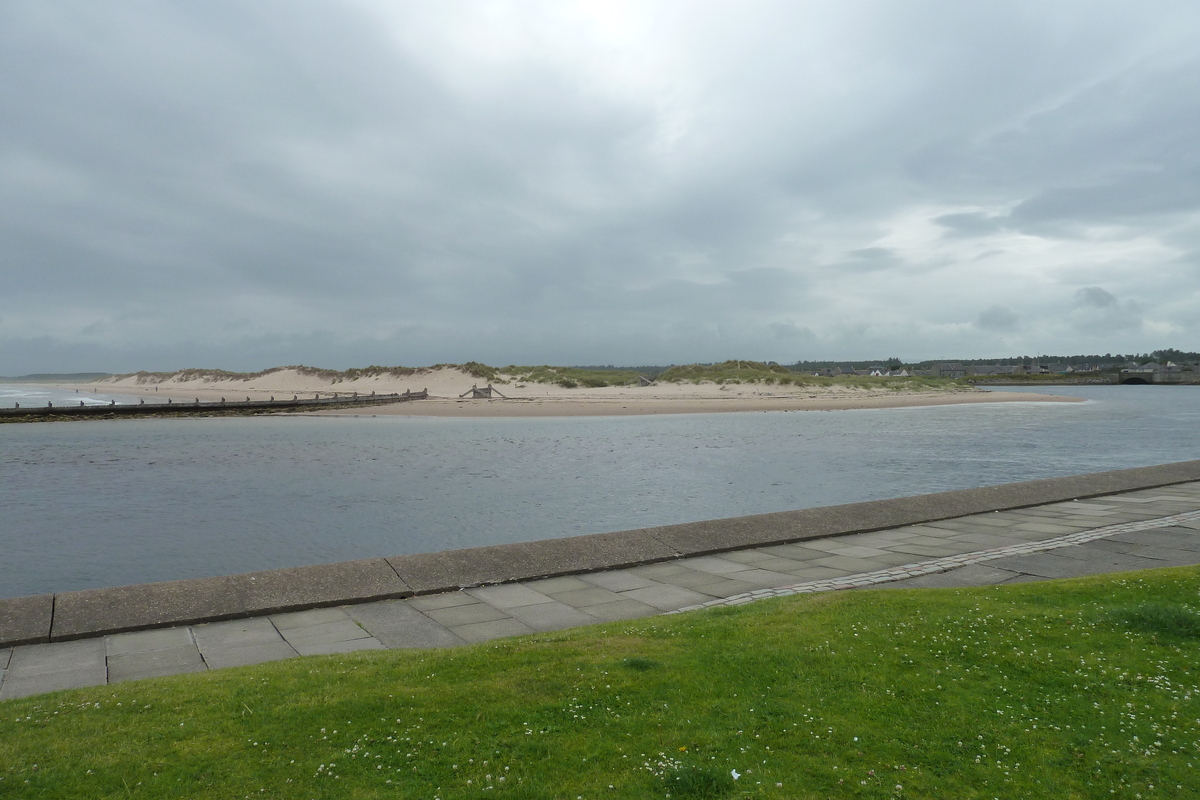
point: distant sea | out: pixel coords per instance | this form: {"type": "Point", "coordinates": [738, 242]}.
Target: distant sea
{"type": "Point", "coordinates": [29, 395]}
{"type": "Point", "coordinates": [88, 504]}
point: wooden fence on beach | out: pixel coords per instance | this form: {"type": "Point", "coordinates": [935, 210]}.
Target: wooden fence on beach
{"type": "Point", "coordinates": [197, 406]}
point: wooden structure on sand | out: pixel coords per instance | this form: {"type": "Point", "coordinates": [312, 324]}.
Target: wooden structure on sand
{"type": "Point", "coordinates": [482, 394]}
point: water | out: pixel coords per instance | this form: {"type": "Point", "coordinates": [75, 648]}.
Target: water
{"type": "Point", "coordinates": [87, 504]}
{"type": "Point", "coordinates": [30, 396]}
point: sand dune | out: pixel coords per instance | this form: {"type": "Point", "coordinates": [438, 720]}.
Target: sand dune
{"type": "Point", "coordinates": [446, 384]}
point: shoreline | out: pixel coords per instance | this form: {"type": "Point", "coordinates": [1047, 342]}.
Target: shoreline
{"type": "Point", "coordinates": [593, 407]}
{"type": "Point", "coordinates": [446, 387]}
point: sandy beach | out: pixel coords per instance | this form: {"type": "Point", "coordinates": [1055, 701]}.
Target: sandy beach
{"type": "Point", "coordinates": [446, 385]}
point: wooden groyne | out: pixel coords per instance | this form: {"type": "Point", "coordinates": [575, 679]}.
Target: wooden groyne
{"type": "Point", "coordinates": [223, 406]}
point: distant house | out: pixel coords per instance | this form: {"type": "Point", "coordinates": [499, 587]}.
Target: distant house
{"type": "Point", "coordinates": [951, 369]}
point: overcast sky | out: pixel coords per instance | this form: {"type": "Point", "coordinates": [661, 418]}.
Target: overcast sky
{"type": "Point", "coordinates": [245, 185]}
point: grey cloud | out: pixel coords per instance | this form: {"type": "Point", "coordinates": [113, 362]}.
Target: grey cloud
{"type": "Point", "coordinates": [790, 330]}
{"type": "Point", "coordinates": [869, 259]}
{"type": "Point", "coordinates": [997, 318]}
{"type": "Point", "coordinates": [970, 224]}
{"type": "Point", "coordinates": [1099, 311]}
{"type": "Point", "coordinates": [1094, 297]}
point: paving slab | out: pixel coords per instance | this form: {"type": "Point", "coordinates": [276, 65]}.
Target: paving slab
{"type": "Point", "coordinates": [37, 668]}
{"type": "Point", "coordinates": [747, 556]}
{"type": "Point", "coordinates": [659, 571]}
{"type": "Point", "coordinates": [241, 642]}
{"type": "Point", "coordinates": [850, 564]}
{"type": "Point", "coordinates": [248, 654]}
{"type": "Point", "coordinates": [56, 657]}
{"type": "Point", "coordinates": [619, 580]}
{"type": "Point", "coordinates": [724, 587]}
{"type": "Point", "coordinates": [1080, 507]}
{"type": "Point", "coordinates": [666, 598]}
{"type": "Point", "coordinates": [5, 655]}
{"type": "Point", "coordinates": [466, 615]}
{"type": "Point", "coordinates": [819, 573]}
{"type": "Point", "coordinates": [553, 616]}
{"type": "Point", "coordinates": [1166, 556]}
{"type": "Point", "coordinates": [154, 663]}
{"type": "Point", "coordinates": [1053, 529]}
{"type": "Point", "coordinates": [1180, 539]}
{"type": "Point", "coordinates": [493, 629]}
{"type": "Point", "coordinates": [26, 620]}
{"type": "Point", "coordinates": [1056, 565]}
{"type": "Point", "coordinates": [551, 586]}
{"type": "Point", "coordinates": [397, 624]}
{"type": "Point", "coordinates": [687, 577]}
{"type": "Point", "coordinates": [714, 565]}
{"type": "Point", "coordinates": [119, 644]}
{"type": "Point", "coordinates": [858, 551]}
{"type": "Point", "coordinates": [626, 608]}
{"type": "Point", "coordinates": [307, 619]}
{"type": "Point", "coordinates": [39, 683]}
{"type": "Point", "coordinates": [920, 534]}
{"type": "Point", "coordinates": [775, 563]}
{"type": "Point", "coordinates": [796, 552]}
{"type": "Point", "coordinates": [236, 633]}
{"type": "Point", "coordinates": [998, 520]}
{"type": "Point", "coordinates": [762, 578]}
{"type": "Point", "coordinates": [972, 575]}
{"type": "Point", "coordinates": [446, 600]}
{"type": "Point", "coordinates": [339, 646]}
{"type": "Point", "coordinates": [986, 541]}
{"type": "Point", "coordinates": [509, 596]}
{"type": "Point", "coordinates": [590, 596]}
{"type": "Point", "coordinates": [962, 525]}
{"type": "Point", "coordinates": [930, 551]}
{"type": "Point", "coordinates": [308, 636]}
{"type": "Point", "coordinates": [892, 558]}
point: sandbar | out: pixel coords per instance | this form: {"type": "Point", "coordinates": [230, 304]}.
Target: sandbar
{"type": "Point", "coordinates": [446, 385]}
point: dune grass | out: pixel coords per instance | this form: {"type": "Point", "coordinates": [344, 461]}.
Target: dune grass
{"type": "Point", "coordinates": [571, 377]}
{"type": "Point", "coordinates": [1070, 689]}
{"type": "Point", "coordinates": [735, 372]}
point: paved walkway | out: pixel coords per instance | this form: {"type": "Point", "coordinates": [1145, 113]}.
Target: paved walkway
{"type": "Point", "coordinates": [1132, 530]}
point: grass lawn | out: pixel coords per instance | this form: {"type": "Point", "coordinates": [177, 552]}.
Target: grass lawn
{"type": "Point", "coordinates": [1067, 689]}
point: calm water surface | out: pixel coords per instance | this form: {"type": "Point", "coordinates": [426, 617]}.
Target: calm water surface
{"type": "Point", "coordinates": [28, 395]}
{"type": "Point", "coordinates": [108, 503]}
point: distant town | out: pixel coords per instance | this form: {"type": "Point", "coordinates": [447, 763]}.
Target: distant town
{"type": "Point", "coordinates": [1161, 366]}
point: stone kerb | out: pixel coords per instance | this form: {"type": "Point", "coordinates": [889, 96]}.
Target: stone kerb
{"type": "Point", "coordinates": [92, 612]}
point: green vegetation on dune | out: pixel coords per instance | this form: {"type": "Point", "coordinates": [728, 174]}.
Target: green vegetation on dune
{"type": "Point", "coordinates": [728, 372]}
{"type": "Point", "coordinates": [735, 372]}
{"type": "Point", "coordinates": [1085, 688]}
{"type": "Point", "coordinates": [571, 377]}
